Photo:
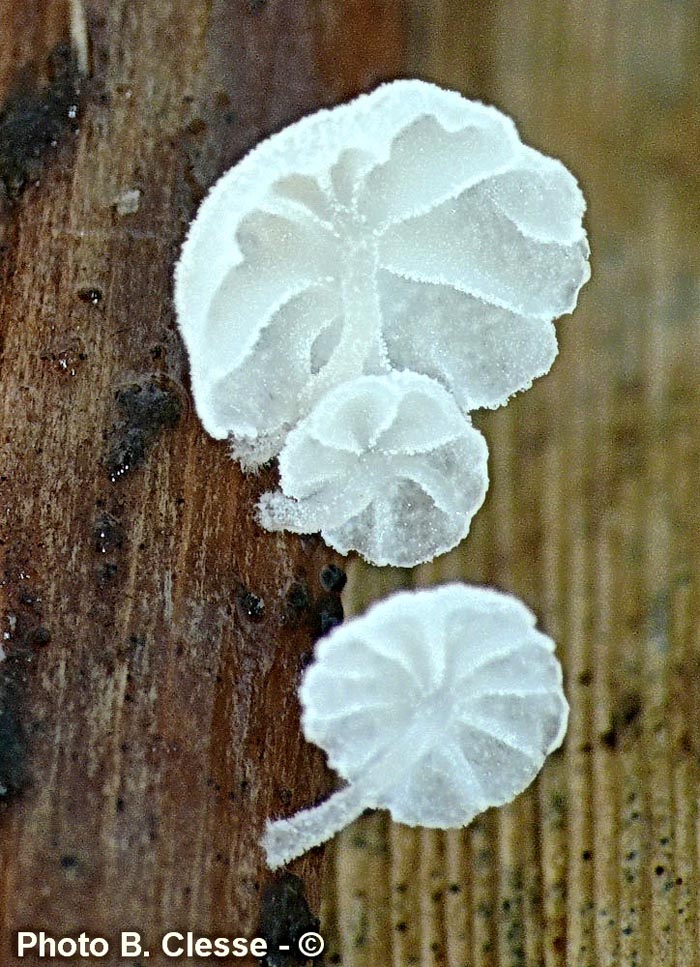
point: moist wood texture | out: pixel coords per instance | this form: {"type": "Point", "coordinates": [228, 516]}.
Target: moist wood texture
{"type": "Point", "coordinates": [131, 710]}
{"type": "Point", "coordinates": [154, 634]}
{"type": "Point", "coordinates": [591, 518]}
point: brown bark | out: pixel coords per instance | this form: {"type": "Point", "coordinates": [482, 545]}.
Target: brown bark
{"type": "Point", "coordinates": [154, 634]}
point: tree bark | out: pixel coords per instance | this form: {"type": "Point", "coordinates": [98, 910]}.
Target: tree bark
{"type": "Point", "coordinates": [153, 633]}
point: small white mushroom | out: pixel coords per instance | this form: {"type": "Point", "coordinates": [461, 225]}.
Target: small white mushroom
{"type": "Point", "coordinates": [435, 705]}
{"type": "Point", "coordinates": [407, 229]}
{"type": "Point", "coordinates": [384, 465]}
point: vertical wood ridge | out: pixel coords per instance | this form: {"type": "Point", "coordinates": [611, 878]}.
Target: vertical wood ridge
{"type": "Point", "coordinates": [591, 515]}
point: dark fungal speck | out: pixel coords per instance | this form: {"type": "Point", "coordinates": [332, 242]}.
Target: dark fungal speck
{"type": "Point", "coordinates": [108, 534]}
{"type": "Point", "coordinates": [91, 295]}
{"type": "Point", "coordinates": [146, 407]}
{"type": "Point", "coordinates": [107, 573]}
{"type": "Point", "coordinates": [150, 405]}
{"type": "Point", "coordinates": [250, 606]}
{"type": "Point", "coordinates": [328, 614]}
{"type": "Point", "coordinates": [13, 765]}
{"type": "Point", "coordinates": [284, 918]}
{"type": "Point", "coordinates": [33, 120]}
{"type": "Point", "coordinates": [298, 601]}
{"type": "Point", "coordinates": [333, 578]}
{"type": "Point", "coordinates": [623, 720]}
{"type": "Point", "coordinates": [127, 454]}
{"type": "Point", "coordinates": [39, 637]}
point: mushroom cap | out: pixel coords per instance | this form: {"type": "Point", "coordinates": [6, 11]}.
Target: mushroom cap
{"type": "Point", "coordinates": [384, 465]}
{"type": "Point", "coordinates": [439, 703]}
{"type": "Point", "coordinates": [409, 228]}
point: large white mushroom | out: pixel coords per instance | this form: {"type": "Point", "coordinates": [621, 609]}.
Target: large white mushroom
{"type": "Point", "coordinates": [384, 465]}
{"type": "Point", "coordinates": [434, 705]}
{"type": "Point", "coordinates": [407, 229]}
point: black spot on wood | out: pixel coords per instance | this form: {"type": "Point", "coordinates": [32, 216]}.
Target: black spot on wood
{"type": "Point", "coordinates": [107, 574]}
{"type": "Point", "coordinates": [13, 749]}
{"type": "Point", "coordinates": [333, 578]}
{"type": "Point", "coordinates": [298, 602]}
{"type": "Point", "coordinates": [623, 721]}
{"type": "Point", "coordinates": [91, 295]}
{"type": "Point", "coordinates": [136, 643]}
{"type": "Point", "coordinates": [146, 408]}
{"type": "Point", "coordinates": [39, 637]}
{"type": "Point", "coordinates": [108, 534]}
{"type": "Point", "coordinates": [285, 917]}
{"type": "Point", "coordinates": [34, 119]}
{"type": "Point", "coordinates": [328, 614]}
{"type": "Point", "coordinates": [250, 605]}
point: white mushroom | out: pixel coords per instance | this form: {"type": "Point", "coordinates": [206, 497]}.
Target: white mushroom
{"type": "Point", "coordinates": [384, 465]}
{"type": "Point", "coordinates": [407, 229]}
{"type": "Point", "coordinates": [435, 704]}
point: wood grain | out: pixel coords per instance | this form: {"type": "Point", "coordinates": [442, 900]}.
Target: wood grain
{"type": "Point", "coordinates": [591, 518]}
{"type": "Point", "coordinates": [148, 722]}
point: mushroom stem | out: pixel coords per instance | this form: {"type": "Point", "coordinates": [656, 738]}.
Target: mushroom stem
{"type": "Point", "coordinates": [285, 839]}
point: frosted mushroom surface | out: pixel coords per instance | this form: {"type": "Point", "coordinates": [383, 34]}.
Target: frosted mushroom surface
{"type": "Point", "coordinates": [435, 704]}
{"type": "Point", "coordinates": [407, 229]}
{"type": "Point", "coordinates": [384, 465]}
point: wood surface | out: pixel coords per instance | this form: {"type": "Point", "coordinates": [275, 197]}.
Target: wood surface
{"type": "Point", "coordinates": [153, 633]}
{"type": "Point", "coordinates": [592, 518]}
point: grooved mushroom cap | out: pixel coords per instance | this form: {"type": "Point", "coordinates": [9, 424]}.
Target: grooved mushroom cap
{"type": "Point", "coordinates": [407, 229]}
{"type": "Point", "coordinates": [384, 465]}
{"type": "Point", "coordinates": [435, 704]}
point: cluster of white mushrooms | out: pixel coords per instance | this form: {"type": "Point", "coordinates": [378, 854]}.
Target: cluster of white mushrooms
{"type": "Point", "coordinates": [349, 293]}
{"type": "Point", "coordinates": [409, 232]}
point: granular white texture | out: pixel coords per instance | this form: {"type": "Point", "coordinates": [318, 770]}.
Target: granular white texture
{"type": "Point", "coordinates": [384, 465]}
{"type": "Point", "coordinates": [435, 704]}
{"type": "Point", "coordinates": [407, 229]}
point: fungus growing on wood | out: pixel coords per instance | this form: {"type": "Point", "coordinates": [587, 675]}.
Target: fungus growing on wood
{"type": "Point", "coordinates": [384, 465]}
{"type": "Point", "coordinates": [435, 704]}
{"type": "Point", "coordinates": [407, 229]}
